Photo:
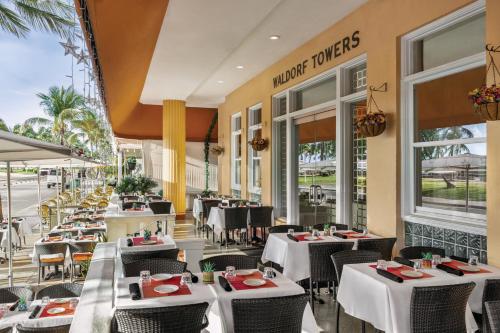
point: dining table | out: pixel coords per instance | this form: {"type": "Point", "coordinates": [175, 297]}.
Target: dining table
{"type": "Point", "coordinates": [164, 242]}
{"type": "Point", "coordinates": [366, 295]}
{"type": "Point", "coordinates": [219, 312]}
{"type": "Point", "coordinates": [294, 256]}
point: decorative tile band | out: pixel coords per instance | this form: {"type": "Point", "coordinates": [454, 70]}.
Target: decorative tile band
{"type": "Point", "coordinates": [454, 242]}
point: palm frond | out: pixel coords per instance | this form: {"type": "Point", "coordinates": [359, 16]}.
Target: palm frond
{"type": "Point", "coordinates": [12, 23]}
{"type": "Point", "coordinates": [37, 121]}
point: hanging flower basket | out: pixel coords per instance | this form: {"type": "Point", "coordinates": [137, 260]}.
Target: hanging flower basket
{"type": "Point", "coordinates": [372, 123]}
{"type": "Point", "coordinates": [258, 144]}
{"type": "Point", "coordinates": [217, 150]}
{"type": "Point", "coordinates": [485, 99]}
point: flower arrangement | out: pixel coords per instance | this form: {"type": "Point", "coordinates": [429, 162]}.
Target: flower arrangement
{"type": "Point", "coordinates": [217, 150]}
{"type": "Point", "coordinates": [485, 101]}
{"type": "Point", "coordinates": [371, 124]}
{"type": "Point", "coordinates": [208, 272]}
{"type": "Point", "coordinates": [258, 143]}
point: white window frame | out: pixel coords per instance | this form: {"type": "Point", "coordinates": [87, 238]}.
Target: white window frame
{"type": "Point", "coordinates": [469, 222]}
{"type": "Point", "coordinates": [234, 133]}
{"type": "Point", "coordinates": [342, 106]}
{"type": "Point", "coordinates": [252, 128]}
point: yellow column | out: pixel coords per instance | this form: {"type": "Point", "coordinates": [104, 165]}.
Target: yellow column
{"type": "Point", "coordinates": [174, 153]}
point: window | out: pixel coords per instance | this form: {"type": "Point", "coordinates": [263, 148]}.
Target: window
{"type": "Point", "coordinates": [444, 141]}
{"type": "Point", "coordinates": [316, 93]}
{"type": "Point", "coordinates": [357, 75]}
{"type": "Point", "coordinates": [236, 154]}
{"type": "Point", "coordinates": [254, 157]}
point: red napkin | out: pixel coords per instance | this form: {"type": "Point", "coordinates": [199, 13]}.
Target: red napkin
{"type": "Point", "coordinates": [137, 240]}
{"type": "Point", "coordinates": [149, 292]}
{"type": "Point", "coordinates": [302, 238]}
{"type": "Point", "coordinates": [455, 264]}
{"type": "Point", "coordinates": [397, 271]}
{"type": "Point", "coordinates": [67, 310]}
{"type": "Point", "coordinates": [237, 281]}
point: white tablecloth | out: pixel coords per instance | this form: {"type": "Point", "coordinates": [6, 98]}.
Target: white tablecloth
{"type": "Point", "coordinates": [197, 209]}
{"type": "Point", "coordinates": [56, 230]}
{"type": "Point", "coordinates": [168, 243]}
{"type": "Point", "coordinates": [5, 238]}
{"type": "Point", "coordinates": [220, 313]}
{"type": "Point", "coordinates": [386, 304]}
{"type": "Point", "coordinates": [294, 256]}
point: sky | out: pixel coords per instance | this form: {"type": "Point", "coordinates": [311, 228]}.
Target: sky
{"type": "Point", "coordinates": [28, 66]}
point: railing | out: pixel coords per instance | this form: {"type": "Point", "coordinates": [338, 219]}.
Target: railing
{"type": "Point", "coordinates": [195, 175]}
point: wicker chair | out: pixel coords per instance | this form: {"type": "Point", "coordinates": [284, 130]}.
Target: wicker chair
{"type": "Point", "coordinates": [47, 249]}
{"type": "Point", "coordinates": [130, 204]}
{"type": "Point", "coordinates": [12, 294]}
{"type": "Point", "coordinates": [154, 266]}
{"type": "Point", "coordinates": [52, 329]}
{"type": "Point", "coordinates": [491, 293]}
{"type": "Point", "coordinates": [235, 218]}
{"type": "Point", "coordinates": [493, 313]}
{"type": "Point", "coordinates": [6, 330]}
{"type": "Point", "coordinates": [129, 257]}
{"type": "Point", "coordinates": [284, 228]}
{"type": "Point", "coordinates": [64, 290]}
{"type": "Point", "coordinates": [172, 319]}
{"type": "Point", "coordinates": [382, 245]}
{"type": "Point", "coordinates": [321, 267]}
{"type": "Point", "coordinates": [80, 252]}
{"type": "Point", "coordinates": [160, 207]}
{"type": "Point", "coordinates": [236, 260]}
{"type": "Point", "coordinates": [260, 217]}
{"type": "Point", "coordinates": [339, 226]}
{"type": "Point", "coordinates": [415, 252]}
{"type": "Point", "coordinates": [273, 314]}
{"type": "Point", "coordinates": [351, 257]}
{"type": "Point", "coordinates": [439, 308]}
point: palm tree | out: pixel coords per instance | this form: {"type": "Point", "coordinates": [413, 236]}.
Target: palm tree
{"type": "Point", "coordinates": [90, 127]}
{"type": "Point", "coordinates": [17, 17]}
{"type": "Point", "coordinates": [3, 126]}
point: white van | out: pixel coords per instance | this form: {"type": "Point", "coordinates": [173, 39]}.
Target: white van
{"type": "Point", "coordinates": [53, 179]}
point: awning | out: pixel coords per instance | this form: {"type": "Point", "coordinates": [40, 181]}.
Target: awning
{"type": "Point", "coordinates": [14, 148]}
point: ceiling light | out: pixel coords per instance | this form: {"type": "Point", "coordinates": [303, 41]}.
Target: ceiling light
{"type": "Point", "coordinates": [239, 67]}
{"type": "Point", "coordinates": [274, 37]}
{"type": "Point", "coordinates": [220, 81]}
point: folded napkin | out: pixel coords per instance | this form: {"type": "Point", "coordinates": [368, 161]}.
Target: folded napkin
{"type": "Point", "coordinates": [450, 270]}
{"type": "Point", "coordinates": [292, 237]}
{"type": "Point", "coordinates": [390, 276]}
{"type": "Point", "coordinates": [224, 284]}
{"type": "Point", "coordinates": [14, 306]}
{"type": "Point", "coordinates": [339, 235]}
{"type": "Point", "coordinates": [135, 291]}
{"type": "Point", "coordinates": [404, 261]}
{"type": "Point", "coordinates": [35, 311]}
{"type": "Point", "coordinates": [462, 259]}
{"type": "Point", "coordinates": [130, 242]}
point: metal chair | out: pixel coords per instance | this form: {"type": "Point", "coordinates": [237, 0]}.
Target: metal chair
{"type": "Point", "coordinates": [154, 266]}
{"type": "Point", "coordinates": [236, 260]}
{"type": "Point", "coordinates": [52, 329]}
{"type": "Point", "coordinates": [351, 257]}
{"type": "Point", "coordinates": [493, 312]}
{"type": "Point", "coordinates": [64, 290]}
{"type": "Point", "coordinates": [284, 228]}
{"type": "Point", "coordinates": [130, 204]}
{"type": "Point", "coordinates": [382, 245]}
{"type": "Point", "coordinates": [235, 218]}
{"type": "Point", "coordinates": [160, 207]}
{"type": "Point", "coordinates": [339, 226]}
{"type": "Point", "coordinates": [321, 268]}
{"type": "Point", "coordinates": [439, 308]}
{"type": "Point", "coordinates": [260, 217]}
{"type": "Point", "coordinates": [80, 252]}
{"type": "Point", "coordinates": [171, 319]}
{"type": "Point", "coordinates": [415, 252]}
{"type": "Point", "coordinates": [51, 249]}
{"type": "Point", "coordinates": [129, 257]}
{"type": "Point", "coordinates": [12, 294]}
{"type": "Point", "coordinates": [491, 293]}
{"type": "Point", "coordinates": [272, 314]}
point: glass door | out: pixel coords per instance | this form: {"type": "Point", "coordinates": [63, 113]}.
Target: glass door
{"type": "Point", "coordinates": [315, 157]}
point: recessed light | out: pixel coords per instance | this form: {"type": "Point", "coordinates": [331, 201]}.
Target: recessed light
{"type": "Point", "coordinates": [274, 37]}
{"type": "Point", "coordinates": [239, 67]}
{"type": "Point", "coordinates": [220, 81]}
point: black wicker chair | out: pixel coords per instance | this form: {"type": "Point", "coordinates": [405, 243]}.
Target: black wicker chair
{"type": "Point", "coordinates": [6, 330]}
{"type": "Point", "coordinates": [52, 329]}
{"type": "Point", "coordinates": [339, 226]}
{"type": "Point", "coordinates": [439, 308]}
{"type": "Point", "coordinates": [235, 218]}
{"type": "Point", "coordinates": [48, 249]}
{"type": "Point", "coordinates": [207, 205]}
{"type": "Point", "coordinates": [160, 207]}
{"type": "Point", "coordinates": [321, 267]}
{"type": "Point", "coordinates": [130, 204]}
{"type": "Point", "coordinates": [172, 319]}
{"type": "Point", "coordinates": [12, 294]}
{"type": "Point", "coordinates": [493, 313]}
{"type": "Point", "coordinates": [491, 293]}
{"type": "Point", "coordinates": [273, 314]}
{"type": "Point", "coordinates": [154, 266]}
{"type": "Point", "coordinates": [236, 260]}
{"type": "Point", "coordinates": [64, 290]}
{"type": "Point", "coordinates": [129, 257]}
{"type": "Point", "coordinates": [351, 257]}
{"type": "Point", "coordinates": [284, 228]}
{"type": "Point", "coordinates": [82, 248]}
{"type": "Point", "coordinates": [415, 252]}
{"type": "Point", "coordinates": [260, 217]}
{"type": "Point", "coordinates": [382, 245]}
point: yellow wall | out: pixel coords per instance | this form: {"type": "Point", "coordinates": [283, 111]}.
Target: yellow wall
{"type": "Point", "coordinates": [381, 23]}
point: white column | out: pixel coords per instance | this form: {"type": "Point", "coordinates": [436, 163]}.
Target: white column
{"type": "Point", "coordinates": [9, 226]}
{"type": "Point", "coordinates": [120, 166]}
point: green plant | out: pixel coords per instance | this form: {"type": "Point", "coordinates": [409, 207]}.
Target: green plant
{"type": "Point", "coordinates": [206, 149]}
{"type": "Point", "coordinates": [145, 184]}
{"type": "Point", "coordinates": [326, 226]}
{"type": "Point", "coordinates": [207, 193]}
{"type": "Point", "coordinates": [427, 256]}
{"type": "Point", "coordinates": [127, 185]}
{"type": "Point", "coordinates": [208, 267]}
{"type": "Point", "coordinates": [147, 234]}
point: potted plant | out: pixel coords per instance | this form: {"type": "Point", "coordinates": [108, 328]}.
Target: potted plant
{"type": "Point", "coordinates": [147, 234]}
{"type": "Point", "coordinates": [427, 260]}
{"type": "Point", "coordinates": [258, 143]}
{"type": "Point", "coordinates": [145, 184]}
{"type": "Point", "coordinates": [373, 122]}
{"type": "Point", "coordinates": [217, 150]}
{"type": "Point", "coordinates": [326, 229]}
{"type": "Point", "coordinates": [208, 272]}
{"type": "Point", "coordinates": [127, 185]}
{"type": "Point", "coordinates": [131, 162]}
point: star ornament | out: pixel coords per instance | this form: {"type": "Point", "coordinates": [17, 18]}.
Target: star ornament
{"type": "Point", "coordinates": [82, 58]}
{"type": "Point", "coordinates": [69, 47]}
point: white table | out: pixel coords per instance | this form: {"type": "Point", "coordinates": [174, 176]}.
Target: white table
{"type": "Point", "coordinates": [294, 256]}
{"type": "Point", "coordinates": [197, 209]}
{"type": "Point", "coordinates": [168, 243]}
{"type": "Point", "coordinates": [5, 238]}
{"type": "Point", "coordinates": [56, 230]}
{"type": "Point", "coordinates": [386, 304]}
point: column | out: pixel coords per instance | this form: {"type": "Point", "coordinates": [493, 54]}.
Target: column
{"type": "Point", "coordinates": [174, 153]}
{"type": "Point", "coordinates": [120, 166]}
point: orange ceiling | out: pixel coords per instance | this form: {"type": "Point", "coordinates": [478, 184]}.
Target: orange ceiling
{"type": "Point", "coordinates": [125, 34]}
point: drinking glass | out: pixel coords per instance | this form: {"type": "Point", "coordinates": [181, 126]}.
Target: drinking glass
{"type": "Point", "coordinates": [291, 232]}
{"type": "Point", "coordinates": [333, 229]}
{"type": "Point", "coordinates": [45, 300]}
{"type": "Point", "coordinates": [473, 260]}
{"type": "Point", "coordinates": [186, 278]}
{"type": "Point", "coordinates": [145, 277]}
{"type": "Point", "coordinates": [4, 308]}
{"type": "Point", "coordinates": [417, 265]}
{"type": "Point", "coordinates": [315, 233]}
{"type": "Point", "coordinates": [382, 264]}
{"type": "Point", "coordinates": [230, 272]}
{"type": "Point", "coordinates": [96, 235]}
{"type": "Point", "coordinates": [436, 260]}
{"type": "Point", "coordinates": [73, 303]}
{"type": "Point", "coordinates": [268, 273]}
{"type": "Point", "coordinates": [365, 231]}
